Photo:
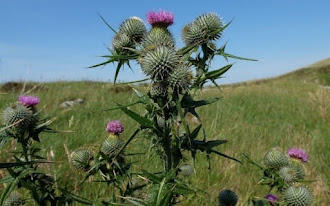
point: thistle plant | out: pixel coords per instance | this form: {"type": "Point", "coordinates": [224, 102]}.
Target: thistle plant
{"type": "Point", "coordinates": [175, 76]}
{"type": "Point", "coordinates": [285, 174]}
{"type": "Point", "coordinates": [106, 163]}
{"type": "Point", "coordinates": [23, 124]}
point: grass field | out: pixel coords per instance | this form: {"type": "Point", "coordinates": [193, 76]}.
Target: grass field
{"type": "Point", "coordinates": [287, 111]}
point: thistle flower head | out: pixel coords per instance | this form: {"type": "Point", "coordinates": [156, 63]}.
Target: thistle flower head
{"type": "Point", "coordinates": [298, 154]}
{"type": "Point", "coordinates": [120, 41]}
{"type": "Point", "coordinates": [160, 62]}
{"type": "Point", "coordinates": [114, 127]}
{"type": "Point", "coordinates": [275, 159]}
{"type": "Point", "coordinates": [81, 159]}
{"type": "Point", "coordinates": [158, 37]}
{"type": "Point", "coordinates": [134, 28]}
{"type": "Point", "coordinates": [161, 18]}
{"type": "Point", "coordinates": [111, 145]}
{"type": "Point", "coordinates": [181, 78]}
{"type": "Point", "coordinates": [227, 198]}
{"type": "Point", "coordinates": [29, 100]}
{"type": "Point", "coordinates": [204, 28]}
{"type": "Point", "coordinates": [297, 196]}
{"type": "Point", "coordinates": [271, 199]}
{"type": "Point", "coordinates": [287, 174]}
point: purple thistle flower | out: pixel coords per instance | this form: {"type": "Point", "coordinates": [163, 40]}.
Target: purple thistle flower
{"type": "Point", "coordinates": [271, 199]}
{"type": "Point", "coordinates": [29, 100]}
{"type": "Point", "coordinates": [298, 154]}
{"type": "Point", "coordinates": [114, 127]}
{"type": "Point", "coordinates": [161, 18]}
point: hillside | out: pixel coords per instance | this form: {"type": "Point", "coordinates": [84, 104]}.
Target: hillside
{"type": "Point", "coordinates": [287, 111]}
{"type": "Point", "coordinates": [318, 72]}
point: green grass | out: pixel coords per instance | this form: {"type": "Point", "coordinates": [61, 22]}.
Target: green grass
{"type": "Point", "coordinates": [287, 111]}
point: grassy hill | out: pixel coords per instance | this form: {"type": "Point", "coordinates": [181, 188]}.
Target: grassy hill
{"type": "Point", "coordinates": [287, 111]}
{"type": "Point", "coordinates": [318, 73]}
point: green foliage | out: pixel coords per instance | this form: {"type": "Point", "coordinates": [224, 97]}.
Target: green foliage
{"type": "Point", "coordinates": [14, 199]}
{"type": "Point", "coordinates": [23, 124]}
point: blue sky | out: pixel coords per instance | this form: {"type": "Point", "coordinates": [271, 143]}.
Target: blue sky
{"type": "Point", "coordinates": [57, 40]}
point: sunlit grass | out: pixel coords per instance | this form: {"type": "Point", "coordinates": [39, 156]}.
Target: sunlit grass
{"type": "Point", "coordinates": [253, 118]}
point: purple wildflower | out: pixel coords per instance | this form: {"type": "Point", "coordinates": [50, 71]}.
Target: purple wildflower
{"type": "Point", "coordinates": [114, 127]}
{"type": "Point", "coordinates": [162, 18]}
{"type": "Point", "coordinates": [271, 199]}
{"type": "Point", "coordinates": [298, 154]}
{"type": "Point", "coordinates": [29, 100]}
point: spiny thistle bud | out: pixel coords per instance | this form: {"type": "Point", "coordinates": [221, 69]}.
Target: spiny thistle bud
{"type": "Point", "coordinates": [275, 159]}
{"type": "Point", "coordinates": [298, 169]}
{"type": "Point", "coordinates": [287, 174]}
{"type": "Point", "coordinates": [158, 89]}
{"type": "Point", "coordinates": [160, 19]}
{"type": "Point", "coordinates": [186, 170]}
{"type": "Point", "coordinates": [28, 101]}
{"type": "Point", "coordinates": [227, 198]}
{"type": "Point", "coordinates": [298, 154]}
{"type": "Point", "coordinates": [111, 145]}
{"type": "Point", "coordinates": [206, 27]}
{"type": "Point", "coordinates": [14, 199]}
{"type": "Point", "coordinates": [17, 112]}
{"type": "Point", "coordinates": [294, 196]}
{"type": "Point", "coordinates": [81, 159]}
{"type": "Point", "coordinates": [134, 28]}
{"type": "Point", "coordinates": [158, 37]}
{"type": "Point", "coordinates": [181, 78]}
{"type": "Point", "coordinates": [120, 41]}
{"type": "Point", "coordinates": [160, 62]}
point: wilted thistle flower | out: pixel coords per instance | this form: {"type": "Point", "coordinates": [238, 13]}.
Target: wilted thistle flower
{"type": "Point", "coordinates": [227, 198]}
{"type": "Point", "coordinates": [134, 28]}
{"type": "Point", "coordinates": [287, 174]}
{"type": "Point", "coordinates": [14, 199]}
{"type": "Point", "coordinates": [114, 127]}
{"type": "Point", "coordinates": [206, 27]}
{"type": "Point", "coordinates": [271, 199]}
{"type": "Point", "coordinates": [181, 78]}
{"type": "Point", "coordinates": [298, 154]}
{"type": "Point", "coordinates": [81, 159]}
{"type": "Point", "coordinates": [160, 62]}
{"type": "Point", "coordinates": [29, 100]}
{"type": "Point", "coordinates": [161, 18]}
{"type": "Point", "coordinates": [275, 159]}
{"type": "Point", "coordinates": [294, 196]}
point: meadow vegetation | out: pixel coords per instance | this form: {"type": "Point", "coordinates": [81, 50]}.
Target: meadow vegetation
{"type": "Point", "coordinates": [287, 111]}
